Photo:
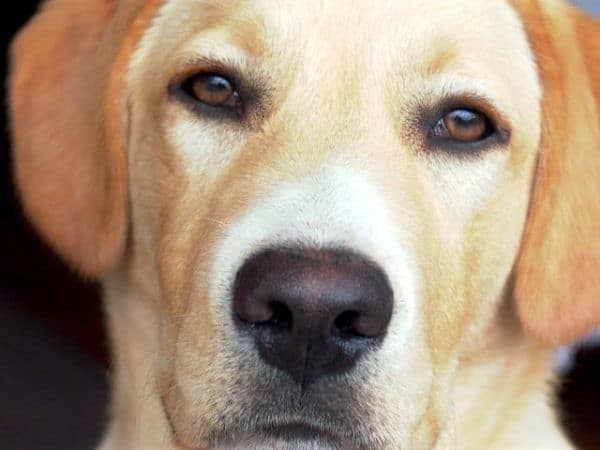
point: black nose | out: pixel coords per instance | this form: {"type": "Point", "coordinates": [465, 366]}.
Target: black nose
{"type": "Point", "coordinates": [312, 312]}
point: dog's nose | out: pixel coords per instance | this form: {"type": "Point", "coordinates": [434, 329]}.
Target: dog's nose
{"type": "Point", "coordinates": [312, 312]}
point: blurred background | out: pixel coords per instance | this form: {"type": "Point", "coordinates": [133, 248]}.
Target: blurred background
{"type": "Point", "coordinates": [53, 354]}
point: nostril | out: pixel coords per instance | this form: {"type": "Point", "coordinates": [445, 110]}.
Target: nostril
{"type": "Point", "coordinates": [360, 324]}
{"type": "Point", "coordinates": [282, 316]}
{"type": "Point", "coordinates": [268, 312]}
{"type": "Point", "coordinates": [344, 325]}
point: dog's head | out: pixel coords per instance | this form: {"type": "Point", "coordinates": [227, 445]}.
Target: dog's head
{"type": "Point", "coordinates": [325, 205]}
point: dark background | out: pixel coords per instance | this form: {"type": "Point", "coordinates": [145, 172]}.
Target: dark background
{"type": "Point", "coordinates": [53, 357]}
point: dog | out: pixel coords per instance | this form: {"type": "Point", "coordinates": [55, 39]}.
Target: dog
{"type": "Point", "coordinates": [321, 224]}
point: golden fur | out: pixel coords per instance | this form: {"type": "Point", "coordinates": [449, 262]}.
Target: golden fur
{"type": "Point", "coordinates": [494, 257]}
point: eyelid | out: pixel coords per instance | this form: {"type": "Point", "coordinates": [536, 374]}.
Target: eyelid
{"type": "Point", "coordinates": [429, 115]}
{"type": "Point", "coordinates": [206, 66]}
{"type": "Point", "coordinates": [253, 88]}
{"type": "Point", "coordinates": [476, 103]}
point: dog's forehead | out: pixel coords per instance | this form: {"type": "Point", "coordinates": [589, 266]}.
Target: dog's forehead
{"type": "Point", "coordinates": [354, 62]}
{"type": "Point", "coordinates": [410, 35]}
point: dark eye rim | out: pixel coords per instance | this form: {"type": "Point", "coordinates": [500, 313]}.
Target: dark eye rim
{"type": "Point", "coordinates": [497, 138]}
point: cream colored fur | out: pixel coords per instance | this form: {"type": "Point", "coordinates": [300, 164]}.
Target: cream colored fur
{"type": "Point", "coordinates": [336, 156]}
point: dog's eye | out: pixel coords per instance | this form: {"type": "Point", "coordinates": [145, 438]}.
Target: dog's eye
{"type": "Point", "coordinates": [213, 90]}
{"type": "Point", "coordinates": [464, 126]}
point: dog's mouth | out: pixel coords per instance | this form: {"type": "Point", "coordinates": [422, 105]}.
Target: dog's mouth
{"type": "Point", "coordinates": [289, 434]}
{"type": "Point", "coordinates": [298, 433]}
{"type": "Point", "coordinates": [295, 430]}
{"type": "Point", "coordinates": [303, 431]}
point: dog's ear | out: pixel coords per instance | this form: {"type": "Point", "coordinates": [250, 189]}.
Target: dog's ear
{"type": "Point", "coordinates": [68, 125]}
{"type": "Point", "coordinates": [557, 285]}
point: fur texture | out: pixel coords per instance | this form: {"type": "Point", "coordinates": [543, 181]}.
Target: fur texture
{"type": "Point", "coordinates": [493, 255]}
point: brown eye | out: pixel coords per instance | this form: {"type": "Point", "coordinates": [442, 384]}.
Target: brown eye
{"type": "Point", "coordinates": [464, 125]}
{"type": "Point", "coordinates": [213, 90]}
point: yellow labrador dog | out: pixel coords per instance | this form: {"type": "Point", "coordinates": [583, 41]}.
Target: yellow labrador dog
{"type": "Point", "coordinates": [324, 225]}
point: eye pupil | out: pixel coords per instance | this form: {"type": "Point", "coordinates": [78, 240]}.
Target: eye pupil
{"type": "Point", "coordinates": [464, 125]}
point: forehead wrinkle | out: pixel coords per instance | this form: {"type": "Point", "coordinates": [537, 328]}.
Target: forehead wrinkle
{"type": "Point", "coordinates": [237, 36]}
{"type": "Point", "coordinates": [443, 57]}
{"type": "Point", "coordinates": [161, 42]}
{"type": "Point", "coordinates": [247, 32]}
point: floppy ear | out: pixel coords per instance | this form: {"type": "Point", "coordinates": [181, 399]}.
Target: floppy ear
{"type": "Point", "coordinates": [557, 285]}
{"type": "Point", "coordinates": [68, 124]}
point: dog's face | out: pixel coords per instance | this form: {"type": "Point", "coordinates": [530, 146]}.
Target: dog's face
{"type": "Point", "coordinates": [327, 202]}
{"type": "Point", "coordinates": [335, 144]}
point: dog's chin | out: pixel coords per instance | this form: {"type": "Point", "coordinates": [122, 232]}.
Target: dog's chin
{"type": "Point", "coordinates": [286, 435]}
{"type": "Point", "coordinates": [279, 434]}
{"type": "Point", "coordinates": [292, 436]}
{"type": "Point", "coordinates": [280, 444]}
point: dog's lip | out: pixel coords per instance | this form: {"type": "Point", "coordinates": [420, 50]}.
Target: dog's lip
{"type": "Point", "coordinates": [282, 435]}
{"type": "Point", "coordinates": [298, 429]}
{"type": "Point", "coordinates": [293, 429]}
